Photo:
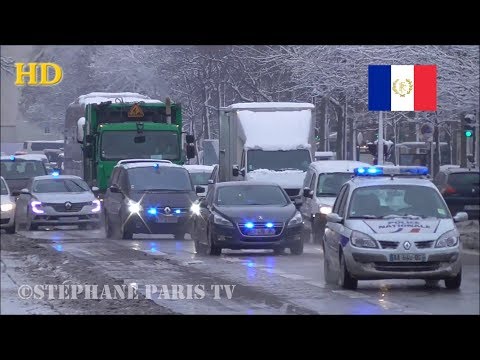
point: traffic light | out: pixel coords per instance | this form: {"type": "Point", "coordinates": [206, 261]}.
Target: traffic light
{"type": "Point", "coordinates": [469, 126]}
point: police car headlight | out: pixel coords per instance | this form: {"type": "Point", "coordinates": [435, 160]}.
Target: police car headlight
{"type": "Point", "coordinates": [297, 219]}
{"type": "Point", "coordinates": [134, 207]}
{"type": "Point", "coordinates": [195, 208]}
{"type": "Point", "coordinates": [325, 210]}
{"type": "Point", "coordinates": [220, 220]}
{"type": "Point", "coordinates": [449, 239]}
{"type": "Point", "coordinates": [362, 240]}
{"type": "Point", "coordinates": [7, 207]}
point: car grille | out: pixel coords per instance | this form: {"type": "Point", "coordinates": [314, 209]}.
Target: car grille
{"type": "Point", "coordinates": [61, 207]}
{"type": "Point", "coordinates": [406, 266]}
{"type": "Point", "coordinates": [292, 192]}
{"type": "Point", "coordinates": [161, 210]}
{"type": "Point", "coordinates": [388, 244]}
{"type": "Point", "coordinates": [424, 244]}
{"type": "Point", "coordinates": [278, 226]}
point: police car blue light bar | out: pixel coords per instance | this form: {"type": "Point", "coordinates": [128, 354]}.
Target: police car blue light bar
{"type": "Point", "coordinates": [390, 170]}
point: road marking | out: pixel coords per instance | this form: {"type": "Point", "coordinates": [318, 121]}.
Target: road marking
{"type": "Point", "coordinates": [316, 283]}
{"type": "Point", "coordinates": [351, 294]}
{"type": "Point", "coordinates": [293, 276]}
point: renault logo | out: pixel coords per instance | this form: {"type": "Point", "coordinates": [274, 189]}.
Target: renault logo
{"type": "Point", "coordinates": [68, 205]}
{"type": "Point", "coordinates": [167, 210]}
{"type": "Point", "coordinates": [260, 218]}
{"type": "Point", "coordinates": [407, 245]}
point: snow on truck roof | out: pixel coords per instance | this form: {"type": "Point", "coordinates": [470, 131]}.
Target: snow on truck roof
{"type": "Point", "coordinates": [276, 130]}
{"type": "Point", "coordinates": [331, 166]}
{"type": "Point", "coordinates": [270, 105]}
{"type": "Point", "coordinates": [99, 97]}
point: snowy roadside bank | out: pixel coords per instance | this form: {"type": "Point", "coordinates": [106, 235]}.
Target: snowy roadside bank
{"type": "Point", "coordinates": [469, 234]}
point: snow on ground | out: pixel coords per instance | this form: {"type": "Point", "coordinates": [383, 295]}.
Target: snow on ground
{"type": "Point", "coordinates": [276, 130]}
{"type": "Point", "coordinates": [286, 179]}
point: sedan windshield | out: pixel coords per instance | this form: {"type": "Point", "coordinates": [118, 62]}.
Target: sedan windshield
{"type": "Point", "coordinates": [251, 195]}
{"type": "Point", "coordinates": [60, 186]}
{"type": "Point", "coordinates": [390, 201]}
{"type": "Point", "coordinates": [200, 178]}
{"type": "Point", "coordinates": [159, 178]}
{"type": "Point", "coordinates": [330, 184]}
{"type": "Point", "coordinates": [3, 187]}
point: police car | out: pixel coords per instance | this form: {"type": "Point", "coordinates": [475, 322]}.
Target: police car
{"type": "Point", "coordinates": [391, 222]}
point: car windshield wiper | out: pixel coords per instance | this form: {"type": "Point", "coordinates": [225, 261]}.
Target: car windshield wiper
{"type": "Point", "coordinates": [288, 168]}
{"type": "Point", "coordinates": [326, 194]}
{"type": "Point", "coordinates": [364, 217]}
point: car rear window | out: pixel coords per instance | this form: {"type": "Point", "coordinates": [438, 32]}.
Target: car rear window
{"type": "Point", "coordinates": [22, 169]}
{"type": "Point", "coordinates": [464, 179]}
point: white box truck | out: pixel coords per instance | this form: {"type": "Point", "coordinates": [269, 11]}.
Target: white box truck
{"type": "Point", "coordinates": [267, 142]}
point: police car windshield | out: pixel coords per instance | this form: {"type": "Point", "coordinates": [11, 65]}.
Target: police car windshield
{"type": "Point", "coordinates": [390, 201]}
{"type": "Point", "coordinates": [159, 179]}
{"type": "Point", "coordinates": [330, 184]}
{"type": "Point", "coordinates": [22, 169]}
{"type": "Point", "coordinates": [60, 186]}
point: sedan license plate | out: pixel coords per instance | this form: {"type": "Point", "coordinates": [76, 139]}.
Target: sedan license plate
{"type": "Point", "coordinates": [261, 232]}
{"type": "Point", "coordinates": [472, 207]}
{"type": "Point", "coordinates": [68, 218]}
{"type": "Point", "coordinates": [407, 258]}
{"type": "Point", "coordinates": [167, 219]}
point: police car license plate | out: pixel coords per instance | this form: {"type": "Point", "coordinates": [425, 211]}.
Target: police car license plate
{"type": "Point", "coordinates": [407, 258]}
{"type": "Point", "coordinates": [68, 218]}
{"type": "Point", "coordinates": [167, 219]}
{"type": "Point", "coordinates": [261, 232]}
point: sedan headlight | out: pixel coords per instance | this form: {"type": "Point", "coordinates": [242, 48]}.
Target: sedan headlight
{"type": "Point", "coordinates": [7, 207]}
{"type": "Point", "coordinates": [134, 207]}
{"type": "Point", "coordinates": [97, 205]}
{"type": "Point", "coordinates": [449, 239]}
{"type": "Point", "coordinates": [297, 219]}
{"type": "Point", "coordinates": [195, 209]}
{"type": "Point", "coordinates": [220, 220]}
{"type": "Point", "coordinates": [362, 240]}
{"type": "Point", "coordinates": [325, 209]}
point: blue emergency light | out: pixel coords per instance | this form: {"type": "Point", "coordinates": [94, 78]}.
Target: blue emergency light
{"type": "Point", "coordinates": [178, 211]}
{"type": "Point", "coordinates": [390, 170]}
{"type": "Point", "coordinates": [55, 173]}
{"type": "Point", "coordinates": [249, 225]}
{"type": "Point", "coordinates": [156, 165]}
{"type": "Point", "coordinates": [12, 157]}
{"type": "Point", "coordinates": [269, 225]}
{"type": "Point", "coordinates": [152, 211]}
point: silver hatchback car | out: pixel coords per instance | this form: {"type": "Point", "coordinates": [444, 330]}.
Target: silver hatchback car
{"type": "Point", "coordinates": [391, 223]}
{"type": "Point", "coordinates": [53, 200]}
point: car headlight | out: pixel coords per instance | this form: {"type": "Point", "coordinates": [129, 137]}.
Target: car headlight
{"type": "Point", "coordinates": [195, 209]}
{"type": "Point", "coordinates": [36, 207]}
{"type": "Point", "coordinates": [220, 220]}
{"type": "Point", "coordinates": [7, 207]}
{"type": "Point", "coordinates": [449, 239]}
{"type": "Point", "coordinates": [96, 202]}
{"type": "Point", "coordinates": [134, 207]}
{"type": "Point", "coordinates": [297, 219]}
{"type": "Point", "coordinates": [325, 209]}
{"type": "Point", "coordinates": [362, 240]}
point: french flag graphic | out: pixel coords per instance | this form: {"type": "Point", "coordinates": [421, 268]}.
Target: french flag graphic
{"type": "Point", "coordinates": [402, 87]}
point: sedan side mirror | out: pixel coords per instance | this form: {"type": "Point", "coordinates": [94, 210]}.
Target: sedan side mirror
{"type": "Point", "coordinates": [95, 189]}
{"type": "Point", "coordinates": [235, 171]}
{"type": "Point", "coordinates": [199, 189]}
{"type": "Point", "coordinates": [307, 192]}
{"type": "Point", "coordinates": [460, 216]}
{"type": "Point", "coordinates": [334, 218]}
{"type": "Point", "coordinates": [210, 181]}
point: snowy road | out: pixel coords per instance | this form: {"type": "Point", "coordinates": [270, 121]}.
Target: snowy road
{"type": "Point", "coordinates": [264, 283]}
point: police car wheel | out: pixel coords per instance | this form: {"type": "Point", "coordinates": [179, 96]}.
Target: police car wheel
{"type": "Point", "coordinates": [211, 248]}
{"type": "Point", "coordinates": [345, 280]}
{"type": "Point", "coordinates": [10, 229]}
{"type": "Point", "coordinates": [328, 274]}
{"type": "Point", "coordinates": [454, 282]}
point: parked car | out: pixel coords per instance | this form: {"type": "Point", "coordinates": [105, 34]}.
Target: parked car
{"type": "Point", "coordinates": [7, 213]}
{"type": "Point", "coordinates": [37, 146]}
{"type": "Point", "coordinates": [57, 200]}
{"type": "Point", "coordinates": [460, 189]}
{"type": "Point", "coordinates": [247, 215]}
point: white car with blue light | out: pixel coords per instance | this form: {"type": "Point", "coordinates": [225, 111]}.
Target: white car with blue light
{"type": "Point", "coordinates": [391, 222]}
{"type": "Point", "coordinates": [57, 200]}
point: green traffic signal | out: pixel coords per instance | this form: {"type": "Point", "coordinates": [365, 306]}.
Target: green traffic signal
{"type": "Point", "coordinates": [468, 133]}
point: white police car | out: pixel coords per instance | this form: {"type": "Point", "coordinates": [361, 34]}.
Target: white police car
{"type": "Point", "coordinates": [391, 222]}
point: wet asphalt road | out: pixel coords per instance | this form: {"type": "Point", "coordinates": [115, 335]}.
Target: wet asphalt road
{"type": "Point", "coordinates": [264, 283]}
